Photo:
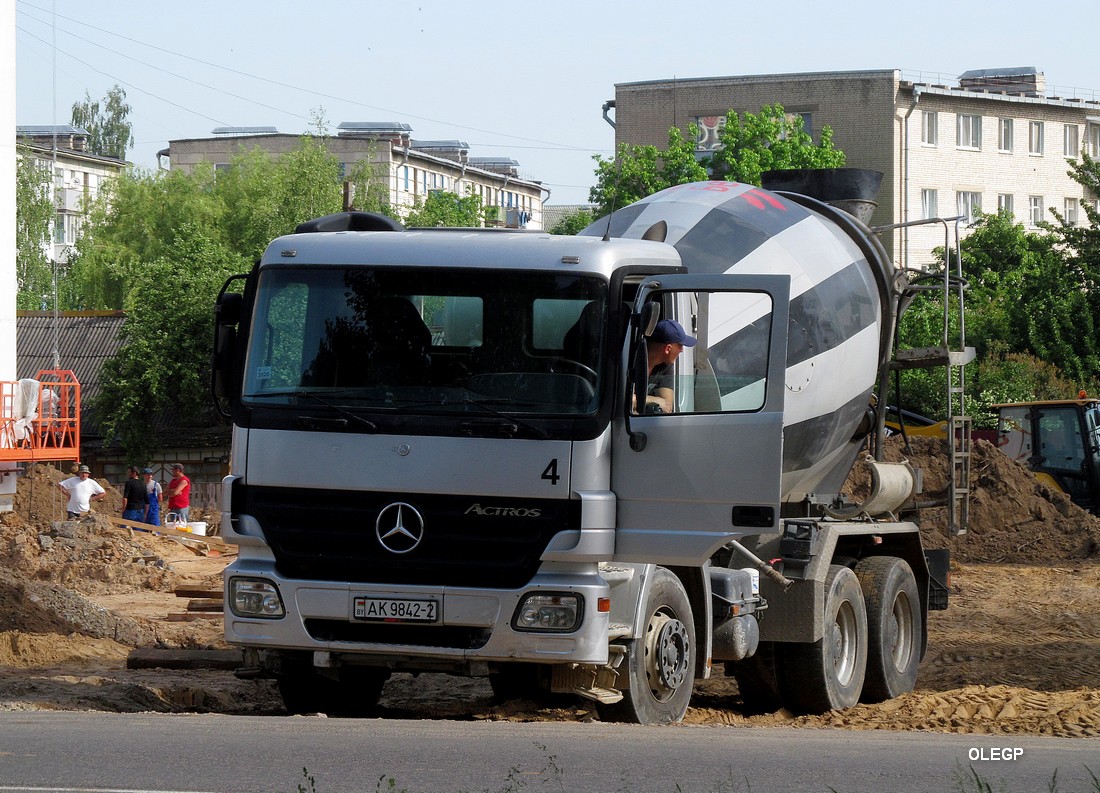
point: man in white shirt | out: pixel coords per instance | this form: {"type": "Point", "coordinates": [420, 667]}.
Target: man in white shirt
{"type": "Point", "coordinates": [81, 490]}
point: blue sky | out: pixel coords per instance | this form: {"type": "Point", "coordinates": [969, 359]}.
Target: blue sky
{"type": "Point", "coordinates": [520, 79]}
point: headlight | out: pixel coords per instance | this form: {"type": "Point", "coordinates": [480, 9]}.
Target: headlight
{"type": "Point", "coordinates": [549, 612]}
{"type": "Point", "coordinates": [254, 597]}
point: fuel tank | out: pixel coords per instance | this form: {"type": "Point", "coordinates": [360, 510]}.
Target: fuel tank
{"type": "Point", "coordinates": [841, 313]}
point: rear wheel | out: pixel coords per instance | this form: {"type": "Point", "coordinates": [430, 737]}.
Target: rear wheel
{"type": "Point", "coordinates": [828, 674]}
{"type": "Point", "coordinates": [659, 667]}
{"type": "Point", "coordinates": [894, 625]}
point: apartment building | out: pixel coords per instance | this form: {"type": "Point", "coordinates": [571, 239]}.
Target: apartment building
{"type": "Point", "coordinates": [412, 168]}
{"type": "Point", "coordinates": [79, 176]}
{"type": "Point", "coordinates": [991, 139]}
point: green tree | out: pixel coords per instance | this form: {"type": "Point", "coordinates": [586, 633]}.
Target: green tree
{"type": "Point", "coordinates": [34, 210]}
{"type": "Point", "coordinates": [160, 245]}
{"type": "Point", "coordinates": [167, 337]}
{"type": "Point", "coordinates": [747, 146]}
{"type": "Point", "coordinates": [443, 208]}
{"type": "Point", "coordinates": [133, 223]}
{"type": "Point", "coordinates": [1029, 316]}
{"type": "Point", "coordinates": [639, 171]}
{"type": "Point", "coordinates": [766, 141]}
{"type": "Point", "coordinates": [573, 223]}
{"type": "Point", "coordinates": [110, 133]}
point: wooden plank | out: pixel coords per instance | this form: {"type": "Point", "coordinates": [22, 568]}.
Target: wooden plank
{"type": "Point", "coordinates": [205, 604]}
{"type": "Point", "coordinates": [198, 592]}
{"type": "Point", "coordinates": [191, 616]}
{"type": "Point", "coordinates": [135, 524]}
{"type": "Point", "coordinates": [182, 658]}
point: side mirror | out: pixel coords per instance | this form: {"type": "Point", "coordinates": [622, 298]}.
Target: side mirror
{"type": "Point", "coordinates": [224, 365]}
{"type": "Point", "coordinates": [639, 368]}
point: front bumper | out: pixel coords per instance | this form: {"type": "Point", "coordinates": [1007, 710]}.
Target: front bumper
{"type": "Point", "coordinates": [475, 623]}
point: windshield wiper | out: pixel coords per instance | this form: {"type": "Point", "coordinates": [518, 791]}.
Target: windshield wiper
{"type": "Point", "coordinates": [314, 422]}
{"type": "Point", "coordinates": [512, 421]}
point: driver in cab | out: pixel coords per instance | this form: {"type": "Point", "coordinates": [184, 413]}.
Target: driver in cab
{"type": "Point", "coordinates": [663, 347]}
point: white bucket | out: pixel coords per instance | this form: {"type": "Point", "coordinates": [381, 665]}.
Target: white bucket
{"type": "Point", "coordinates": [195, 527]}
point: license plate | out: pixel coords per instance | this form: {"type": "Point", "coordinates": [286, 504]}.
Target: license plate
{"type": "Point", "coordinates": [395, 609]}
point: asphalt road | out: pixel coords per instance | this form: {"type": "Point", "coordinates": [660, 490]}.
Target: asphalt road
{"type": "Point", "coordinates": [102, 752]}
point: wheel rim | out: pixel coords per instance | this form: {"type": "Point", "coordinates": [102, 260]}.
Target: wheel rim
{"type": "Point", "coordinates": [667, 653]}
{"type": "Point", "coordinates": [899, 632]}
{"type": "Point", "coordinates": [843, 644]}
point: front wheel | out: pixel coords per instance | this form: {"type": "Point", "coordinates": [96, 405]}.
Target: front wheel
{"type": "Point", "coordinates": [828, 674]}
{"type": "Point", "coordinates": [895, 626]}
{"type": "Point", "coordinates": [658, 672]}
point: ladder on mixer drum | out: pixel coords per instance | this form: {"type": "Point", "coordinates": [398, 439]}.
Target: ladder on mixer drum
{"type": "Point", "coordinates": [953, 355]}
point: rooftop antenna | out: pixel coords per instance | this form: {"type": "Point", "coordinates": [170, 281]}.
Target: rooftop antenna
{"type": "Point", "coordinates": [614, 198]}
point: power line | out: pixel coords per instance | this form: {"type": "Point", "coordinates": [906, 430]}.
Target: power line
{"type": "Point", "coordinates": [553, 145]}
{"type": "Point", "coordinates": [127, 83]}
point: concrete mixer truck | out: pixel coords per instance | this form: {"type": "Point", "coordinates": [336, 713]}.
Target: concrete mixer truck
{"type": "Point", "coordinates": [439, 462]}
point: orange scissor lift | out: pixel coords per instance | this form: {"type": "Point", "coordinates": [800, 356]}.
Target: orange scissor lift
{"type": "Point", "coordinates": [40, 422]}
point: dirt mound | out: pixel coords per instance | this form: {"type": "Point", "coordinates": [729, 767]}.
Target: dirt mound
{"type": "Point", "coordinates": [55, 574]}
{"type": "Point", "coordinates": [1013, 516]}
{"type": "Point", "coordinates": [1014, 653]}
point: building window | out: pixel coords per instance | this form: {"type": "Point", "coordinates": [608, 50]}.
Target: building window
{"type": "Point", "coordinates": [1035, 205]}
{"type": "Point", "coordinates": [1035, 137]}
{"type": "Point", "coordinates": [970, 132]}
{"type": "Point", "coordinates": [929, 204]}
{"type": "Point", "coordinates": [929, 134]}
{"type": "Point", "coordinates": [1071, 146]}
{"type": "Point", "coordinates": [969, 204]}
{"type": "Point", "coordinates": [1004, 134]}
{"type": "Point", "coordinates": [1004, 202]}
{"type": "Point", "coordinates": [1069, 211]}
{"type": "Point", "coordinates": [1094, 140]}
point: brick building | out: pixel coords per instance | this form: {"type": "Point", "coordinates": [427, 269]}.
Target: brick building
{"type": "Point", "coordinates": [994, 138]}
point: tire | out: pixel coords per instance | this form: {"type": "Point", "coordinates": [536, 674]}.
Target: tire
{"type": "Point", "coordinates": [829, 674]}
{"type": "Point", "coordinates": [894, 627]}
{"type": "Point", "coordinates": [659, 668]}
{"type": "Point", "coordinates": [756, 681]}
{"type": "Point", "coordinates": [354, 692]}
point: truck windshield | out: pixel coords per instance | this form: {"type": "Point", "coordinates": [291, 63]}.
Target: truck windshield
{"type": "Point", "coordinates": [428, 339]}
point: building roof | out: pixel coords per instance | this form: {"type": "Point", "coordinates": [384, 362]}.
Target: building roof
{"type": "Point", "coordinates": [1012, 71]}
{"type": "Point", "coordinates": [36, 130]}
{"type": "Point", "coordinates": [373, 128]}
{"type": "Point", "coordinates": [244, 131]}
{"type": "Point", "coordinates": [439, 144]}
{"type": "Point", "coordinates": [85, 340]}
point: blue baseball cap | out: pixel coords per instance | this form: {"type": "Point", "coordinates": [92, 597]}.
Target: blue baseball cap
{"type": "Point", "coordinates": [669, 331]}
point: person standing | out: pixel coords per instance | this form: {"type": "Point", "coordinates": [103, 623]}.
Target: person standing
{"type": "Point", "coordinates": [153, 493]}
{"type": "Point", "coordinates": [134, 496]}
{"type": "Point", "coordinates": [82, 490]}
{"type": "Point", "coordinates": [179, 493]}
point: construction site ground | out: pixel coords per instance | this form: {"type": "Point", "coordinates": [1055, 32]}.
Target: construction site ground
{"type": "Point", "coordinates": [1016, 653]}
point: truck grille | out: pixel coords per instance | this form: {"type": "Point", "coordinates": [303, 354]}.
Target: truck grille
{"type": "Point", "coordinates": [450, 637]}
{"type": "Point", "coordinates": [329, 535]}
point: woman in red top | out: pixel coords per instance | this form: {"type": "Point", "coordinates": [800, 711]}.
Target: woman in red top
{"type": "Point", "coordinates": [179, 493]}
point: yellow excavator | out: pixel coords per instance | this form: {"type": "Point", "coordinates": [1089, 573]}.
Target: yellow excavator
{"type": "Point", "coordinates": [1059, 440]}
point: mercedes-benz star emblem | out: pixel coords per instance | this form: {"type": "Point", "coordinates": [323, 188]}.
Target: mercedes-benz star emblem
{"type": "Point", "coordinates": [399, 528]}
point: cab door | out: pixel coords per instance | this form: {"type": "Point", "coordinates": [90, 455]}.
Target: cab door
{"type": "Point", "coordinates": [687, 482]}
